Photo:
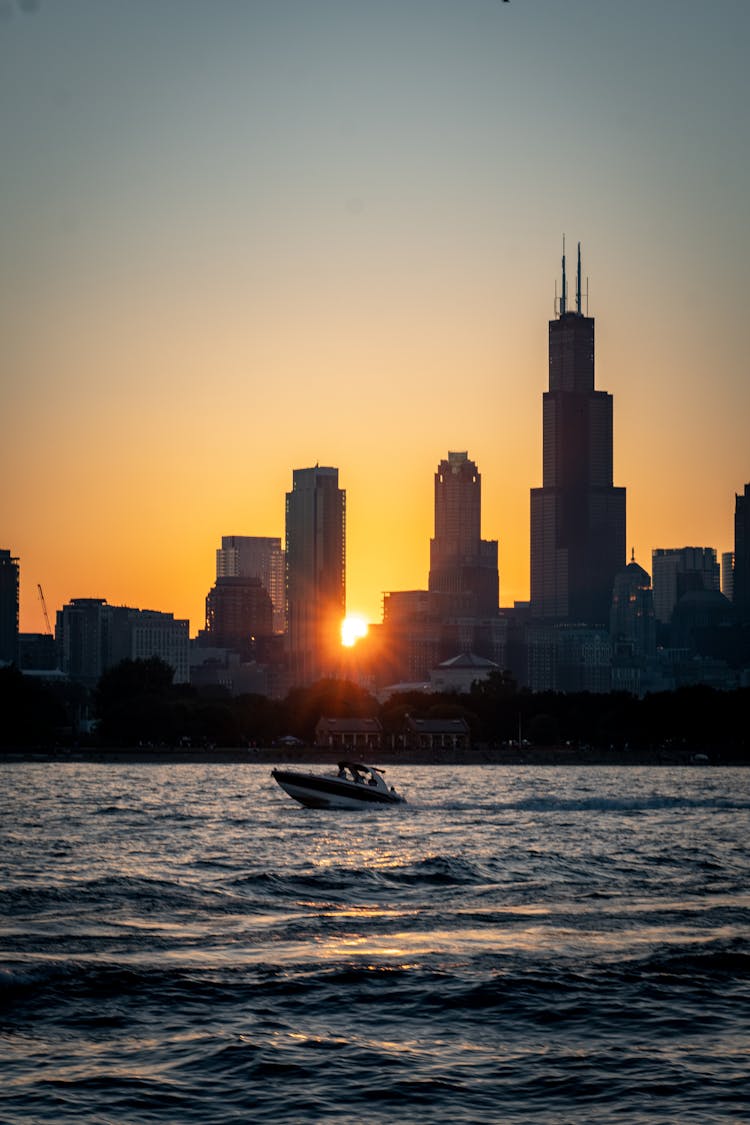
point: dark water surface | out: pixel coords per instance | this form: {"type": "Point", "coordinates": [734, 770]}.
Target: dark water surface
{"type": "Point", "coordinates": [185, 944]}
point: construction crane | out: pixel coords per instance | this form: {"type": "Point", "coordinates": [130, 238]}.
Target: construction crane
{"type": "Point", "coordinates": [44, 609]}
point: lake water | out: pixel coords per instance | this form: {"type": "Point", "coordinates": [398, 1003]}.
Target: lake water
{"type": "Point", "coordinates": [185, 944]}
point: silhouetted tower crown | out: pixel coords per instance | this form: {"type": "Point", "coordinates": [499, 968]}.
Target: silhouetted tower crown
{"type": "Point", "coordinates": [458, 506]}
{"type": "Point", "coordinates": [571, 343]}
{"type": "Point", "coordinates": [577, 516]}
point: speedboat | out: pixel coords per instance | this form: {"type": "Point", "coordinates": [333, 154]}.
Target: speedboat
{"type": "Point", "coordinates": [352, 787]}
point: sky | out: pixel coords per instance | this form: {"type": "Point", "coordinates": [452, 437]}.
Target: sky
{"type": "Point", "coordinates": [239, 238]}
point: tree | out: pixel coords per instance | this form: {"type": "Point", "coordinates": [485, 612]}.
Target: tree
{"type": "Point", "coordinates": [331, 698]}
{"type": "Point", "coordinates": [32, 713]}
{"type": "Point", "coordinates": [135, 702]}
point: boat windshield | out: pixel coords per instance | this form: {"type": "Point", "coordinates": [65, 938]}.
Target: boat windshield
{"type": "Point", "coordinates": [357, 772]}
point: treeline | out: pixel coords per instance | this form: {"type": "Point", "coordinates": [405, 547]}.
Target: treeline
{"type": "Point", "coordinates": [136, 703]}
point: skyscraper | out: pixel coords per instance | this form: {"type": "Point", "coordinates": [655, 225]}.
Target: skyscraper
{"type": "Point", "coordinates": [463, 566]}
{"type": "Point", "coordinates": [577, 516]}
{"type": "Point", "coordinates": [727, 574]}
{"type": "Point", "coordinates": [9, 584]}
{"type": "Point", "coordinates": [255, 556]}
{"type": "Point", "coordinates": [741, 587]}
{"type": "Point", "coordinates": [239, 613]}
{"type": "Point", "coordinates": [678, 571]}
{"type": "Point", "coordinates": [315, 573]}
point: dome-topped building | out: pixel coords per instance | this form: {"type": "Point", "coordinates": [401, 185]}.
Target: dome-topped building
{"type": "Point", "coordinates": [632, 624]}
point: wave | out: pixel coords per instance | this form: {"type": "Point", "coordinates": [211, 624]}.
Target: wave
{"type": "Point", "coordinates": [335, 881]}
{"type": "Point", "coordinates": [112, 894]}
{"type": "Point", "coordinates": [484, 980]}
{"type": "Point", "coordinates": [624, 804]}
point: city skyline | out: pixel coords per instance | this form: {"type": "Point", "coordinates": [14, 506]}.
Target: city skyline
{"type": "Point", "coordinates": [240, 240]}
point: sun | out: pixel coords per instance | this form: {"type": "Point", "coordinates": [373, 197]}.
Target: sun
{"type": "Point", "coordinates": [353, 627]}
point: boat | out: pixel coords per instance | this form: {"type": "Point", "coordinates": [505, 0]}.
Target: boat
{"type": "Point", "coordinates": [354, 786]}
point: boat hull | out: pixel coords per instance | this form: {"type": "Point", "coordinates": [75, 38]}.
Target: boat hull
{"type": "Point", "coordinates": [331, 793]}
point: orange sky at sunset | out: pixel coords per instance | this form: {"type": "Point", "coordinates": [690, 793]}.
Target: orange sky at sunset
{"type": "Point", "coordinates": [239, 239]}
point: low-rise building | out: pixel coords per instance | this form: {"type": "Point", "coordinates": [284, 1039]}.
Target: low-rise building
{"type": "Point", "coordinates": [349, 733]}
{"type": "Point", "coordinates": [436, 734]}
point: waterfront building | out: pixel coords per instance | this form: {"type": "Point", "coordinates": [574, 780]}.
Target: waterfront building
{"type": "Point", "coordinates": [315, 573]}
{"type": "Point", "coordinates": [577, 516]}
{"type": "Point", "coordinates": [9, 586]}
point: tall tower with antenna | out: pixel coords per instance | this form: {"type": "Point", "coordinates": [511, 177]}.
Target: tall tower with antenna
{"type": "Point", "coordinates": [577, 516]}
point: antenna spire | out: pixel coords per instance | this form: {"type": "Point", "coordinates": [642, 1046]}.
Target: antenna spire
{"type": "Point", "coordinates": [564, 298]}
{"type": "Point", "coordinates": [578, 282]}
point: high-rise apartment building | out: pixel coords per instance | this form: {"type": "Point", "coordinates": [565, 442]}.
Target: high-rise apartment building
{"type": "Point", "coordinates": [9, 586]}
{"type": "Point", "coordinates": [413, 632]}
{"type": "Point", "coordinates": [741, 584]}
{"type": "Point", "coordinates": [727, 575]}
{"type": "Point", "coordinates": [315, 573]}
{"type": "Point", "coordinates": [239, 614]}
{"type": "Point", "coordinates": [256, 556]}
{"type": "Point", "coordinates": [463, 566]}
{"type": "Point", "coordinates": [92, 636]}
{"type": "Point", "coordinates": [678, 571]}
{"type": "Point", "coordinates": [577, 516]}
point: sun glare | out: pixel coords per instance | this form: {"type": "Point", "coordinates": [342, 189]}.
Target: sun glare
{"type": "Point", "coordinates": [353, 627]}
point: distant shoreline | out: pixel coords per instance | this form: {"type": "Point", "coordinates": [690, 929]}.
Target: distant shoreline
{"type": "Point", "coordinates": [316, 756]}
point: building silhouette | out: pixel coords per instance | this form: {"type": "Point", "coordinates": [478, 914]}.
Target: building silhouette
{"type": "Point", "coordinates": [256, 556]}
{"type": "Point", "coordinates": [678, 571]}
{"type": "Point", "coordinates": [741, 576]}
{"type": "Point", "coordinates": [577, 516]}
{"type": "Point", "coordinates": [632, 627]}
{"type": "Point", "coordinates": [92, 636]}
{"type": "Point", "coordinates": [412, 636]}
{"type": "Point", "coordinates": [9, 585]}
{"type": "Point", "coordinates": [458, 614]}
{"type": "Point", "coordinates": [239, 615]}
{"type": "Point", "coordinates": [727, 574]}
{"type": "Point", "coordinates": [463, 566]}
{"type": "Point", "coordinates": [315, 573]}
